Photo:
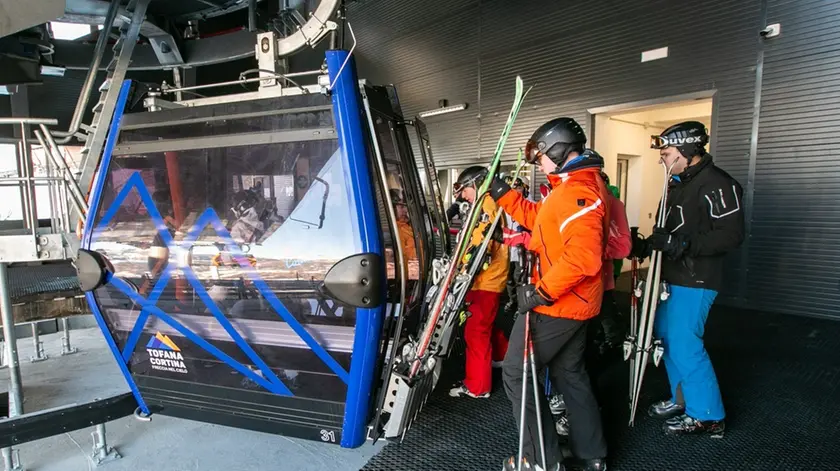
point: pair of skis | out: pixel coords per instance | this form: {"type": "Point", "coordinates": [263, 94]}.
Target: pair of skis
{"type": "Point", "coordinates": [441, 297]}
{"type": "Point", "coordinates": [640, 344]}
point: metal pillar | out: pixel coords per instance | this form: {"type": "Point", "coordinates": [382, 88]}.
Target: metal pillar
{"type": "Point", "coordinates": [10, 457]}
{"type": "Point", "coordinates": [102, 453]}
{"type": "Point", "coordinates": [66, 349]}
{"type": "Point", "coordinates": [38, 345]}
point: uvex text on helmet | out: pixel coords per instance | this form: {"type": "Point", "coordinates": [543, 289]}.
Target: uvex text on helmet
{"type": "Point", "coordinates": [556, 139]}
{"type": "Point", "coordinates": [689, 137]}
{"type": "Point", "coordinates": [469, 177]}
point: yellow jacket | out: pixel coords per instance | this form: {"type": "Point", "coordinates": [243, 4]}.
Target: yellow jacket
{"type": "Point", "coordinates": [494, 278]}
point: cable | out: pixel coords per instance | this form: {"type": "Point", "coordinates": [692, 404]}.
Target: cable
{"type": "Point", "coordinates": [88, 460]}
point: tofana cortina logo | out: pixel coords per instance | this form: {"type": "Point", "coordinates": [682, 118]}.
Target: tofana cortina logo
{"type": "Point", "coordinates": [164, 355]}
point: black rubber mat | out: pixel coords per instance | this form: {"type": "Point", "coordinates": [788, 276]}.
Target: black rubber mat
{"type": "Point", "coordinates": [780, 380]}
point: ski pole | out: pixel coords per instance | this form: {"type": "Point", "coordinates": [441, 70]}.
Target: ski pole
{"type": "Point", "coordinates": [524, 388]}
{"type": "Point", "coordinates": [524, 276]}
{"type": "Point", "coordinates": [536, 398]}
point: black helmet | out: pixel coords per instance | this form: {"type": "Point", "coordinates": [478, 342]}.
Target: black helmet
{"type": "Point", "coordinates": [469, 177]}
{"type": "Point", "coordinates": [556, 139]}
{"type": "Point", "coordinates": [396, 196]}
{"type": "Point", "coordinates": [689, 137]}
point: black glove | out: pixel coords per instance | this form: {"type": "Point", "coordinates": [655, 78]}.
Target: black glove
{"type": "Point", "coordinates": [641, 247]}
{"type": "Point", "coordinates": [453, 211]}
{"type": "Point", "coordinates": [527, 298]}
{"type": "Point", "coordinates": [498, 188]}
{"type": "Point", "coordinates": [672, 245]}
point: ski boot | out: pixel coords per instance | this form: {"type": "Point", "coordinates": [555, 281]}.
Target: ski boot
{"type": "Point", "coordinates": [561, 425]}
{"type": "Point", "coordinates": [459, 390]}
{"type": "Point", "coordinates": [557, 405]}
{"type": "Point", "coordinates": [686, 425]}
{"type": "Point", "coordinates": [595, 464]}
{"type": "Point", "coordinates": [666, 409]}
{"type": "Point", "coordinates": [510, 465]}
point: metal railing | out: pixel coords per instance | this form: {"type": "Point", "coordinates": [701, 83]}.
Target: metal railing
{"type": "Point", "coordinates": [59, 178]}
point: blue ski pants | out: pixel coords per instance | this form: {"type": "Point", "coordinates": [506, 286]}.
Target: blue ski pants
{"type": "Point", "coordinates": [680, 323]}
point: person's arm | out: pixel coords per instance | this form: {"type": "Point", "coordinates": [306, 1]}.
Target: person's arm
{"type": "Point", "coordinates": [583, 231]}
{"type": "Point", "coordinates": [723, 202]}
{"type": "Point", "coordinates": [520, 209]}
{"type": "Point", "coordinates": [619, 243]}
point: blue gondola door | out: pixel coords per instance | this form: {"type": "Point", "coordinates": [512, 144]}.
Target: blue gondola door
{"type": "Point", "coordinates": [231, 230]}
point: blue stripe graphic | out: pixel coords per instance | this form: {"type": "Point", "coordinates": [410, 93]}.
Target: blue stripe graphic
{"type": "Point", "coordinates": [208, 218]}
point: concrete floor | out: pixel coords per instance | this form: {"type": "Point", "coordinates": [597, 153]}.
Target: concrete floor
{"type": "Point", "coordinates": [165, 443]}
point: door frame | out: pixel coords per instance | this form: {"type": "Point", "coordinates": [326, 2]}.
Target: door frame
{"type": "Point", "coordinates": [700, 95]}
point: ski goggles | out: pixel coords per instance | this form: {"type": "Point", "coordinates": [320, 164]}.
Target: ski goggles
{"type": "Point", "coordinates": [659, 142]}
{"type": "Point", "coordinates": [459, 186]}
{"type": "Point", "coordinates": [532, 153]}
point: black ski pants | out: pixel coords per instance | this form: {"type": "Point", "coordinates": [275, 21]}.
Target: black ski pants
{"type": "Point", "coordinates": [559, 344]}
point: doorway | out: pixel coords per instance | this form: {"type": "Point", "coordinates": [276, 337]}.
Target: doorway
{"type": "Point", "coordinates": [622, 136]}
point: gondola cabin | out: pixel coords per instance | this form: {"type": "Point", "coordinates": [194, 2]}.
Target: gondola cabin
{"type": "Point", "coordinates": [255, 259]}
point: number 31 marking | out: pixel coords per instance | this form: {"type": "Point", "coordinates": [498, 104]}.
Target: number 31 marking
{"type": "Point", "coordinates": [328, 436]}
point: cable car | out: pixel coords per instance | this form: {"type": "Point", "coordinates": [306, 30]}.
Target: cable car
{"type": "Point", "coordinates": [255, 260]}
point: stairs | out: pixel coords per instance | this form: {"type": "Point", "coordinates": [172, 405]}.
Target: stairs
{"type": "Point", "coordinates": [103, 111]}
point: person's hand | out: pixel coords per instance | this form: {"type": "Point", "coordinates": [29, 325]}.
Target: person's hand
{"type": "Point", "coordinates": [527, 298]}
{"type": "Point", "coordinates": [498, 188]}
{"type": "Point", "coordinates": [640, 249]}
{"type": "Point", "coordinates": [672, 245]}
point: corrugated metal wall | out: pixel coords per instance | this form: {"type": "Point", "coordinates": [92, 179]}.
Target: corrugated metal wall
{"type": "Point", "coordinates": [585, 55]}
{"type": "Point", "coordinates": [794, 253]}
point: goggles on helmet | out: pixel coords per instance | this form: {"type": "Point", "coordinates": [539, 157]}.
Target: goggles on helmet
{"type": "Point", "coordinates": [457, 187]}
{"type": "Point", "coordinates": [532, 153]}
{"type": "Point", "coordinates": [661, 142]}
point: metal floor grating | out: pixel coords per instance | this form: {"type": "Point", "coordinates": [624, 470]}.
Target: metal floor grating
{"type": "Point", "coordinates": [780, 379]}
{"type": "Point", "coordinates": [31, 282]}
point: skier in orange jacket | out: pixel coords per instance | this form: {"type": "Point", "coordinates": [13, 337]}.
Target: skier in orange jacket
{"type": "Point", "coordinates": [569, 230]}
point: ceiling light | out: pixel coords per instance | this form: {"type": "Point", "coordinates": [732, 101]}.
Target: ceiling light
{"type": "Point", "coordinates": [443, 110]}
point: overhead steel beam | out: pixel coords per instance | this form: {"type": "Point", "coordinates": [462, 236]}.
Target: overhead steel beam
{"type": "Point", "coordinates": [206, 51]}
{"type": "Point", "coordinates": [163, 44]}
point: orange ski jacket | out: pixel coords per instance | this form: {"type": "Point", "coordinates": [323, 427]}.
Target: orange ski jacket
{"type": "Point", "coordinates": [569, 230]}
{"type": "Point", "coordinates": [494, 277]}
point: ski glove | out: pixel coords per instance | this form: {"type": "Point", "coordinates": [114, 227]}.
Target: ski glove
{"type": "Point", "coordinates": [527, 298]}
{"type": "Point", "coordinates": [498, 188]}
{"type": "Point", "coordinates": [672, 245]}
{"type": "Point", "coordinates": [641, 247]}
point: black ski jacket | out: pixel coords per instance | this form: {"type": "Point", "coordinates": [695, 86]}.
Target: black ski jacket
{"type": "Point", "coordinates": [704, 208]}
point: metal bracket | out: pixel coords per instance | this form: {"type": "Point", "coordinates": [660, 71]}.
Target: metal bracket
{"type": "Point", "coordinates": [11, 458]}
{"type": "Point", "coordinates": [38, 345]}
{"type": "Point", "coordinates": [66, 349]}
{"type": "Point", "coordinates": [102, 453]}
{"type": "Point", "coordinates": [156, 103]}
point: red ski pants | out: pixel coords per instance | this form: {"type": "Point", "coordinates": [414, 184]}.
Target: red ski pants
{"type": "Point", "coordinates": [485, 342]}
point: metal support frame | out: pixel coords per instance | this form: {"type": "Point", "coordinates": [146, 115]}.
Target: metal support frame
{"type": "Point", "coordinates": [102, 453]}
{"type": "Point", "coordinates": [66, 349]}
{"type": "Point", "coordinates": [10, 456]}
{"type": "Point", "coordinates": [37, 345]}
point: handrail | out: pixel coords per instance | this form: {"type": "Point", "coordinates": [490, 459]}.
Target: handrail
{"type": "Point", "coordinates": [59, 178]}
{"type": "Point", "coordinates": [84, 96]}
{"type": "Point", "coordinates": [47, 121]}
{"type": "Point", "coordinates": [51, 150]}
